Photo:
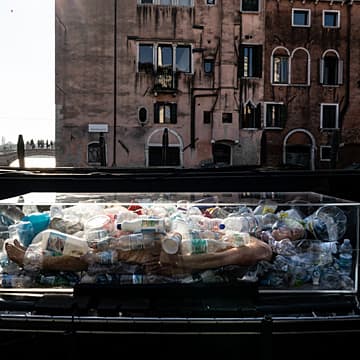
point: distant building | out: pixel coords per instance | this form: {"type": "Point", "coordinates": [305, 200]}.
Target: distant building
{"type": "Point", "coordinates": [193, 83]}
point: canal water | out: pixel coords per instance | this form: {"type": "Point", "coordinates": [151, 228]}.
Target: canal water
{"type": "Point", "coordinates": [36, 162]}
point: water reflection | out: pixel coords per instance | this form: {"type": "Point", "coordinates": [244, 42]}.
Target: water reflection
{"type": "Point", "coordinates": [36, 162]}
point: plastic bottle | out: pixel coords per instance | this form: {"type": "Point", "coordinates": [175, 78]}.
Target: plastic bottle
{"type": "Point", "coordinates": [136, 241]}
{"type": "Point", "coordinates": [200, 246]}
{"type": "Point", "coordinates": [107, 257]}
{"type": "Point", "coordinates": [40, 221]}
{"type": "Point", "coordinates": [15, 281]}
{"type": "Point", "coordinates": [60, 243]}
{"type": "Point", "coordinates": [22, 231]}
{"type": "Point", "coordinates": [142, 223]}
{"type": "Point", "coordinates": [179, 225]}
{"type": "Point", "coordinates": [345, 257]}
{"type": "Point", "coordinates": [200, 222]}
{"type": "Point", "coordinates": [171, 242]}
{"type": "Point", "coordinates": [243, 223]}
{"type": "Point", "coordinates": [263, 209]}
{"type": "Point", "coordinates": [236, 238]}
{"type": "Point", "coordinates": [99, 222]}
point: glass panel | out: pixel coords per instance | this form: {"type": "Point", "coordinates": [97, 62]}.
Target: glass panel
{"type": "Point", "coordinates": [329, 116]}
{"type": "Point", "coordinates": [66, 240]}
{"type": "Point", "coordinates": [145, 57]}
{"type": "Point", "coordinates": [183, 58]}
{"type": "Point", "coordinates": [250, 5]}
{"type": "Point", "coordinates": [165, 56]}
{"type": "Point", "coordinates": [280, 70]}
{"type": "Point", "coordinates": [330, 70]}
{"type": "Point", "coordinates": [301, 18]}
{"type": "Point", "coordinates": [331, 19]}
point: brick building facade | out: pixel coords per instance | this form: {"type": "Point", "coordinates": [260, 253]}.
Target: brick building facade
{"type": "Point", "coordinates": [191, 83]}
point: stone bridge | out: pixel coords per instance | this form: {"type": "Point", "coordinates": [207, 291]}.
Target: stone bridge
{"type": "Point", "coordinates": [7, 157]}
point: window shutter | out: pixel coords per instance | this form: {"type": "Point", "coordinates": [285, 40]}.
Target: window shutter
{"type": "Point", "coordinates": [173, 114]}
{"type": "Point", "coordinates": [258, 116]}
{"type": "Point", "coordinates": [340, 72]}
{"type": "Point", "coordinates": [321, 71]}
{"type": "Point", "coordinates": [258, 61]}
{"type": "Point", "coordinates": [241, 62]}
{"type": "Point", "coordinates": [156, 113]}
{"type": "Point", "coordinates": [283, 115]}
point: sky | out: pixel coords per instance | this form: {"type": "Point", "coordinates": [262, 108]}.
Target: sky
{"type": "Point", "coordinates": [27, 69]}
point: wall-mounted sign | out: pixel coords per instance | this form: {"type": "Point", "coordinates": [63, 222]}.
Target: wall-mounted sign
{"type": "Point", "coordinates": [98, 128]}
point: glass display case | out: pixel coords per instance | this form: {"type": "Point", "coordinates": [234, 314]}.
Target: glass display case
{"type": "Point", "coordinates": [272, 242]}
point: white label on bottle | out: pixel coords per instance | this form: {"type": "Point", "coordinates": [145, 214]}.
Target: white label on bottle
{"type": "Point", "coordinates": [59, 244]}
{"type": "Point", "coordinates": [75, 247]}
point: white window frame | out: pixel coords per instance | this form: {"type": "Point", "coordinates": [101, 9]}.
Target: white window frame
{"type": "Point", "coordinates": [207, 4]}
{"type": "Point", "coordinates": [156, 45]}
{"type": "Point", "coordinates": [322, 105]}
{"type": "Point", "coordinates": [308, 66]}
{"type": "Point", "coordinates": [340, 69]}
{"type": "Point", "coordinates": [302, 10]}
{"type": "Point", "coordinates": [322, 147]}
{"type": "Point", "coordinates": [338, 19]}
{"type": "Point", "coordinates": [273, 54]}
{"type": "Point", "coordinates": [266, 103]}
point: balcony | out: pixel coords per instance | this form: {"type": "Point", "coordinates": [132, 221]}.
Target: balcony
{"type": "Point", "coordinates": [165, 80]}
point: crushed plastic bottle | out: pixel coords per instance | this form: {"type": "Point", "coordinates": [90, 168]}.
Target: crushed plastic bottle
{"type": "Point", "coordinates": [345, 257]}
{"type": "Point", "coordinates": [135, 241]}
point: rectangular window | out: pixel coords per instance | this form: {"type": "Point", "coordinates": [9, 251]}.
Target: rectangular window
{"type": "Point", "coordinates": [227, 118]}
{"type": "Point", "coordinates": [280, 70]}
{"type": "Point", "coordinates": [331, 19]}
{"type": "Point", "coordinates": [325, 153]}
{"type": "Point", "coordinates": [146, 58]}
{"type": "Point", "coordinates": [208, 66]}
{"type": "Point", "coordinates": [250, 5]}
{"type": "Point", "coordinates": [183, 58]}
{"type": "Point", "coordinates": [164, 57]}
{"type": "Point", "coordinates": [329, 116]}
{"type": "Point", "coordinates": [331, 70]}
{"type": "Point", "coordinates": [207, 117]}
{"type": "Point", "coordinates": [300, 18]}
{"type": "Point", "coordinates": [167, 2]}
{"type": "Point", "coordinates": [275, 115]}
{"type": "Point", "coordinates": [251, 61]}
{"type": "Point", "coordinates": [251, 116]}
{"type": "Point", "coordinates": [184, 2]}
{"type": "Point", "coordinates": [165, 113]}
{"type": "Point", "coordinates": [210, 2]}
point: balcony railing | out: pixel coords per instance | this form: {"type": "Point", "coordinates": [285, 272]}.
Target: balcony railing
{"type": "Point", "coordinates": [165, 80]}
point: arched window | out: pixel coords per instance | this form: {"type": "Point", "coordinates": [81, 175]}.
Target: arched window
{"type": "Point", "coordinates": [300, 67]}
{"type": "Point", "coordinates": [280, 66]}
{"type": "Point", "coordinates": [331, 68]}
{"type": "Point", "coordinates": [164, 148]}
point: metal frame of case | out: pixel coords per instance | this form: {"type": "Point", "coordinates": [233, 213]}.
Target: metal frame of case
{"type": "Point", "coordinates": [262, 325]}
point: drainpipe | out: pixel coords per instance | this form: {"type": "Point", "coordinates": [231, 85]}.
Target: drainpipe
{"type": "Point", "coordinates": [336, 136]}
{"type": "Point", "coordinates": [115, 84]}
